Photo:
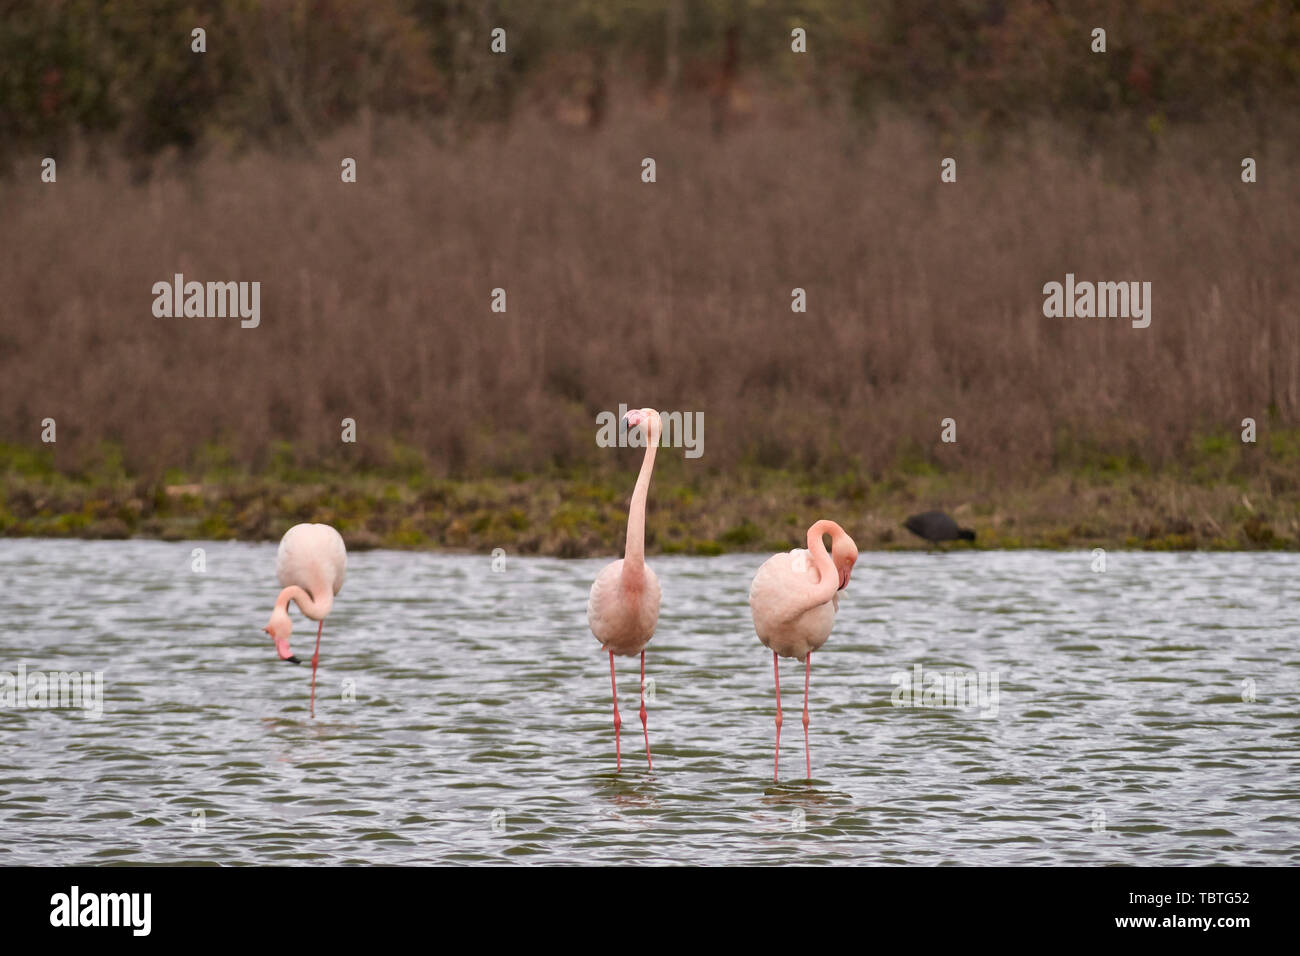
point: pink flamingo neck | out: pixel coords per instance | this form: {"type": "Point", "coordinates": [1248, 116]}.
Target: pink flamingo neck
{"type": "Point", "coordinates": [634, 550]}
{"type": "Point", "coordinates": [316, 610]}
{"type": "Point", "coordinates": [828, 582]}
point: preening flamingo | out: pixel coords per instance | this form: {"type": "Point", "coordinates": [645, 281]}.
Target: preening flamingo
{"type": "Point", "coordinates": [794, 598]}
{"type": "Point", "coordinates": [624, 604]}
{"type": "Point", "coordinates": [310, 564]}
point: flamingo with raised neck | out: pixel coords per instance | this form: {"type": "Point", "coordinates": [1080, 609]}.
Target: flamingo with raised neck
{"type": "Point", "coordinates": [623, 608]}
{"type": "Point", "coordinates": [310, 566]}
{"type": "Point", "coordinates": [793, 599]}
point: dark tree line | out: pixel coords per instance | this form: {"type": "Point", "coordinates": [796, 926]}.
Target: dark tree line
{"type": "Point", "coordinates": [285, 71]}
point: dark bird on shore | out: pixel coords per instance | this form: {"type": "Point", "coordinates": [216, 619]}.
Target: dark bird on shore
{"type": "Point", "coordinates": [935, 526]}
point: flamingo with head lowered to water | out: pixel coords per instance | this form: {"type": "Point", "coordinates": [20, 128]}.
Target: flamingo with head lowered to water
{"type": "Point", "coordinates": [310, 565]}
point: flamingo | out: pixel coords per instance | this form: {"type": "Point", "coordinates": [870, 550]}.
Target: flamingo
{"type": "Point", "coordinates": [793, 599]}
{"type": "Point", "coordinates": [624, 604]}
{"type": "Point", "coordinates": [310, 566]}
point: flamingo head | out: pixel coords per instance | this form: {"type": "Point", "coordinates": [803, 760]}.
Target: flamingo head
{"type": "Point", "coordinates": [647, 417]}
{"type": "Point", "coordinates": [279, 627]}
{"type": "Point", "coordinates": [845, 554]}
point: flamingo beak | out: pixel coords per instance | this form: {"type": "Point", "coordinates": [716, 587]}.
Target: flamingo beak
{"type": "Point", "coordinates": [844, 577]}
{"type": "Point", "coordinates": [635, 417]}
{"type": "Point", "coordinates": [282, 648]}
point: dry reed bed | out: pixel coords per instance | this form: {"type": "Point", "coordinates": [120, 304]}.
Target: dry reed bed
{"type": "Point", "coordinates": [924, 298]}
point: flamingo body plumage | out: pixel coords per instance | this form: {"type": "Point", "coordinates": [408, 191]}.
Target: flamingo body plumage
{"type": "Point", "coordinates": [313, 557]}
{"type": "Point", "coordinates": [783, 619]}
{"type": "Point", "coordinates": [623, 613]}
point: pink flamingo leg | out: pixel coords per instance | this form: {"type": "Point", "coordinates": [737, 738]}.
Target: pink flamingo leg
{"type": "Point", "coordinates": [807, 673]}
{"type": "Point", "coordinates": [315, 659]}
{"type": "Point", "coordinates": [618, 721]}
{"type": "Point", "coordinates": [644, 729]}
{"type": "Point", "coordinates": [776, 761]}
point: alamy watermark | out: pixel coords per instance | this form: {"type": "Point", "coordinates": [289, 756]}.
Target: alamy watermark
{"type": "Point", "coordinates": [680, 430]}
{"type": "Point", "coordinates": [53, 690]}
{"type": "Point", "coordinates": [210, 300]}
{"type": "Point", "coordinates": [75, 908]}
{"type": "Point", "coordinates": [954, 690]}
{"type": "Point", "coordinates": [1102, 300]}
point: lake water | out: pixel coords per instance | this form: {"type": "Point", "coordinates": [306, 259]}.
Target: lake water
{"type": "Point", "coordinates": [1145, 715]}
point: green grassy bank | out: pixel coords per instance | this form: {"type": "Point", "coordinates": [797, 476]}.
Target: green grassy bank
{"type": "Point", "coordinates": [1232, 496]}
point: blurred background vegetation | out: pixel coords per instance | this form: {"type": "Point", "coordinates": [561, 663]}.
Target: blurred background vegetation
{"type": "Point", "coordinates": [285, 72]}
{"type": "Point", "coordinates": [776, 170]}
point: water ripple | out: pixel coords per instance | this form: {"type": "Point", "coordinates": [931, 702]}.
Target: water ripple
{"type": "Point", "coordinates": [1145, 715]}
